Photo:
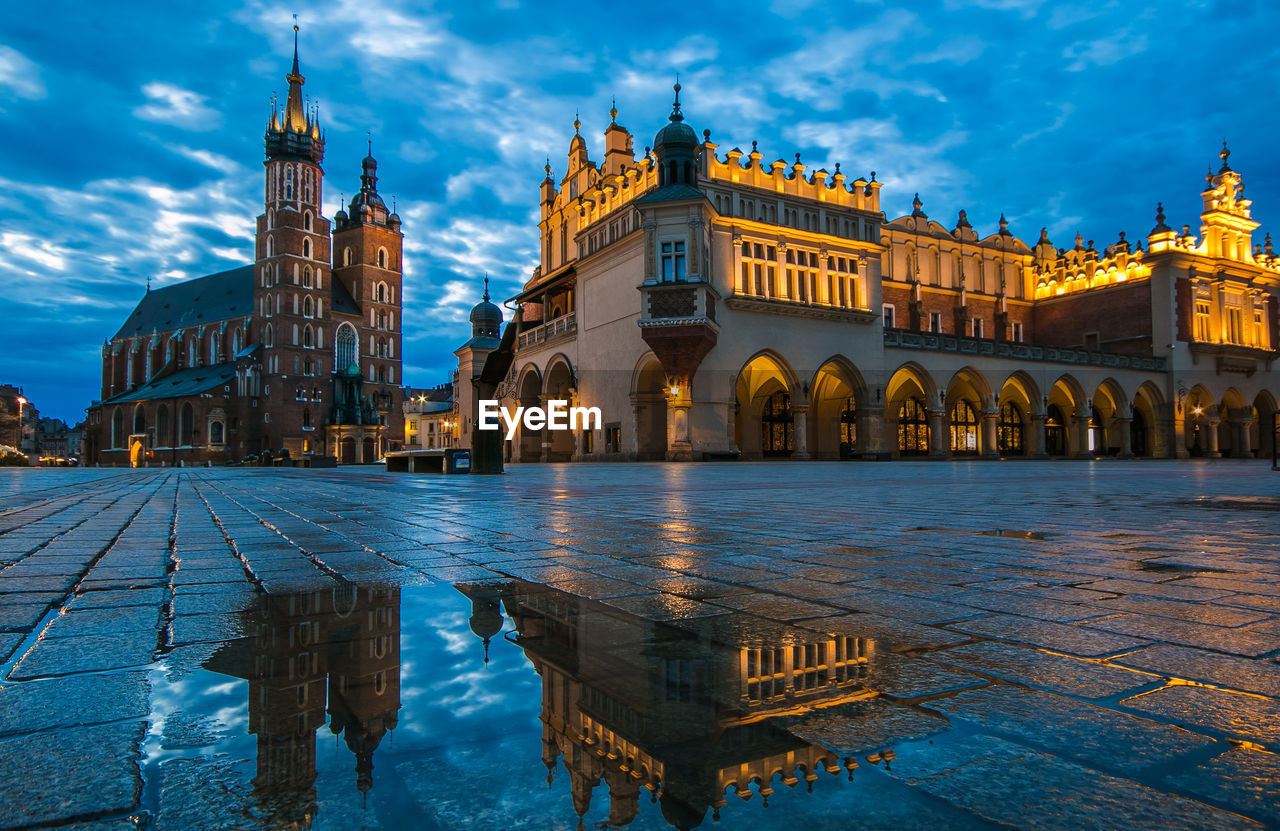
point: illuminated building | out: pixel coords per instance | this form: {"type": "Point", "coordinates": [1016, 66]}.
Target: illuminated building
{"type": "Point", "coordinates": [298, 351]}
{"type": "Point", "coordinates": [714, 304]}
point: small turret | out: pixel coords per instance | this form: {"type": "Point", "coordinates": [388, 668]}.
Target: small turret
{"type": "Point", "coordinates": [676, 148]}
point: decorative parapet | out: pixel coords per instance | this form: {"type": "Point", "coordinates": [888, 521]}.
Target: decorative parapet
{"type": "Point", "coordinates": [906, 339]}
{"type": "Point", "coordinates": [562, 326]}
{"type": "Point", "coordinates": [790, 308]}
{"type": "Point", "coordinates": [1082, 269]}
{"type": "Point", "coordinates": [789, 179]}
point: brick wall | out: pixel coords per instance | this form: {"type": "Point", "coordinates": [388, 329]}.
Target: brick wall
{"type": "Point", "coordinates": [1120, 315]}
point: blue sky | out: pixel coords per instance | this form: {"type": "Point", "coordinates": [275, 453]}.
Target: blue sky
{"type": "Point", "coordinates": [133, 131]}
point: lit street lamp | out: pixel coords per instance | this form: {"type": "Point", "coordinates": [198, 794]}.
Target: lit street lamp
{"type": "Point", "coordinates": [21, 432]}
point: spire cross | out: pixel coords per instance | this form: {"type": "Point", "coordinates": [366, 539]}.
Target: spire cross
{"type": "Point", "coordinates": [486, 288]}
{"type": "Point", "coordinates": [369, 135]}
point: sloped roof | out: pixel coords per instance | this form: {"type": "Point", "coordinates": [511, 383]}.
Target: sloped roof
{"type": "Point", "coordinates": [181, 384]}
{"type": "Point", "coordinates": [193, 302]}
{"type": "Point", "coordinates": [671, 193]}
{"type": "Point", "coordinates": [342, 302]}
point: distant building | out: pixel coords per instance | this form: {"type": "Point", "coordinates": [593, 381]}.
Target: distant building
{"type": "Point", "coordinates": [718, 305]}
{"type": "Point", "coordinates": [18, 420]}
{"type": "Point", "coordinates": [429, 418]}
{"type": "Point", "coordinates": [52, 438]}
{"type": "Point", "coordinates": [298, 351]}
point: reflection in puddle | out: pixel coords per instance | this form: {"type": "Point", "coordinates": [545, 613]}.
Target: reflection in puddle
{"type": "Point", "coordinates": [593, 709]}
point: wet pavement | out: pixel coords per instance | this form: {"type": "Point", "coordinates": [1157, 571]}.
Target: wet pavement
{"type": "Point", "coordinates": [907, 645]}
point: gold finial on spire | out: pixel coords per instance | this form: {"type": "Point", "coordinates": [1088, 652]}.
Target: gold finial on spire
{"type": "Point", "coordinates": [577, 124]}
{"type": "Point", "coordinates": [1224, 154]}
{"type": "Point", "coordinates": [613, 112]}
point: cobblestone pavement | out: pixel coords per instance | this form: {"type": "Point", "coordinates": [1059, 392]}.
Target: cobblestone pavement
{"type": "Point", "coordinates": [1046, 644]}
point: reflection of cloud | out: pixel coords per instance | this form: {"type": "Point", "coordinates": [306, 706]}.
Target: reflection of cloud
{"type": "Point", "coordinates": [19, 74]}
{"type": "Point", "coordinates": [171, 104]}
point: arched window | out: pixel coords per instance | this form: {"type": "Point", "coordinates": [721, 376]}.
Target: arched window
{"type": "Point", "coordinates": [1010, 431]}
{"type": "Point", "coordinates": [913, 428]}
{"type": "Point", "coordinates": [215, 432]}
{"type": "Point", "coordinates": [382, 348]}
{"type": "Point", "coordinates": [288, 182]}
{"type": "Point", "coordinates": [193, 352]}
{"type": "Point", "coordinates": [346, 256]}
{"type": "Point", "coordinates": [308, 336]}
{"type": "Point", "coordinates": [382, 258]}
{"type": "Point", "coordinates": [306, 280]}
{"type": "Point", "coordinates": [295, 334]}
{"type": "Point", "coordinates": [268, 336]}
{"type": "Point", "coordinates": [139, 420]}
{"type": "Point", "coordinates": [186, 426]}
{"type": "Point", "coordinates": [306, 419]}
{"type": "Point", "coordinates": [382, 375]}
{"type": "Point", "coordinates": [117, 429]}
{"type": "Point", "coordinates": [213, 348]}
{"type": "Point", "coordinates": [382, 292]}
{"type": "Point", "coordinates": [308, 305]}
{"type": "Point", "coordinates": [382, 319]}
{"type": "Point", "coordinates": [236, 342]}
{"type": "Point", "coordinates": [162, 425]}
{"type": "Point", "coordinates": [271, 247]}
{"type": "Point", "coordinates": [777, 429]}
{"type": "Point", "coordinates": [306, 221]}
{"type": "Point", "coordinates": [344, 347]}
{"type": "Point", "coordinates": [271, 218]}
{"type": "Point", "coordinates": [306, 248]}
{"type": "Point", "coordinates": [964, 429]}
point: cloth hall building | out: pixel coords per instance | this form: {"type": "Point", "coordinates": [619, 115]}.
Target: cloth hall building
{"type": "Point", "coordinates": [298, 351]}
{"type": "Point", "coordinates": [714, 304]}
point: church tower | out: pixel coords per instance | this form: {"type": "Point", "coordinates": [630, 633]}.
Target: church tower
{"type": "Point", "coordinates": [292, 283]}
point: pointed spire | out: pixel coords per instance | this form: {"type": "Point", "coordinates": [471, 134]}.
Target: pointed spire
{"type": "Point", "coordinates": [613, 111]}
{"type": "Point", "coordinates": [676, 115]}
{"type": "Point", "coordinates": [577, 123]}
{"type": "Point", "coordinates": [1004, 224]}
{"type": "Point", "coordinates": [1224, 154]}
{"type": "Point", "coordinates": [486, 299]}
{"type": "Point", "coordinates": [295, 44]}
{"type": "Point", "coordinates": [295, 116]}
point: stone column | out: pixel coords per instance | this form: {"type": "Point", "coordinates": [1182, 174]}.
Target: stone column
{"type": "Point", "coordinates": [1209, 436]}
{"type": "Point", "coordinates": [938, 443]}
{"type": "Point", "coordinates": [871, 431]}
{"type": "Point", "coordinates": [1081, 424]}
{"type": "Point", "coordinates": [800, 429]}
{"type": "Point", "coordinates": [1244, 447]}
{"type": "Point", "coordinates": [1034, 439]}
{"type": "Point", "coordinates": [1126, 439]}
{"type": "Point", "coordinates": [990, 445]}
{"type": "Point", "coordinates": [679, 447]}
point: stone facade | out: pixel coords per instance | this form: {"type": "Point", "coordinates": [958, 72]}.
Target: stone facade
{"type": "Point", "coordinates": [723, 306]}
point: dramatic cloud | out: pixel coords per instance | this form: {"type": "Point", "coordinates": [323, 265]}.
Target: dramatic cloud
{"type": "Point", "coordinates": [133, 132]}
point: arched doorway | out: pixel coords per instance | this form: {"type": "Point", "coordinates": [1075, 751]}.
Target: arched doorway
{"type": "Point", "coordinates": [530, 392]}
{"type": "Point", "coordinates": [370, 454]}
{"type": "Point", "coordinates": [1067, 419]}
{"type": "Point", "coordinates": [765, 422]}
{"type": "Point", "coordinates": [967, 396]}
{"type": "Point", "coordinates": [1146, 409]}
{"type": "Point", "coordinates": [649, 400]}
{"type": "Point", "coordinates": [347, 451]}
{"type": "Point", "coordinates": [833, 415]}
{"type": "Point", "coordinates": [1234, 412]}
{"type": "Point", "coordinates": [559, 386]}
{"type": "Point", "coordinates": [1138, 441]}
{"type": "Point", "coordinates": [1263, 427]}
{"type": "Point", "coordinates": [1009, 433]}
{"type": "Point", "coordinates": [908, 395]}
{"type": "Point", "coordinates": [135, 454]}
{"type": "Point", "coordinates": [1200, 411]}
{"type": "Point", "coordinates": [777, 426]}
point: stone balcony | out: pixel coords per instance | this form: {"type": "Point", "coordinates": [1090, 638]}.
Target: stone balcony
{"type": "Point", "coordinates": [562, 326]}
{"type": "Point", "coordinates": [907, 339]}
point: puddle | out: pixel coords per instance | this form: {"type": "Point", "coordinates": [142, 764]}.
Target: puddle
{"type": "Point", "coordinates": [996, 532]}
{"type": "Point", "coordinates": [512, 705]}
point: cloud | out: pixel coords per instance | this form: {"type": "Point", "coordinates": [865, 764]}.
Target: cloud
{"type": "Point", "coordinates": [1104, 51]}
{"type": "Point", "coordinates": [20, 75]}
{"type": "Point", "coordinates": [171, 104]}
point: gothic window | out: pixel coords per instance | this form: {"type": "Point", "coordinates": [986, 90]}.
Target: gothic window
{"type": "Point", "coordinates": [1010, 430]}
{"type": "Point", "coordinates": [346, 256]}
{"type": "Point", "coordinates": [308, 336]}
{"type": "Point", "coordinates": [382, 292]}
{"type": "Point", "coordinates": [162, 425]}
{"type": "Point", "coordinates": [186, 426]}
{"type": "Point", "coordinates": [382, 258]}
{"type": "Point", "coordinates": [139, 420]}
{"type": "Point", "coordinates": [271, 247]}
{"type": "Point", "coordinates": [345, 347]}
{"type": "Point", "coordinates": [215, 432]}
{"type": "Point", "coordinates": [117, 429]}
{"type": "Point", "coordinates": [308, 367]}
{"type": "Point", "coordinates": [306, 220]}
{"type": "Point", "coordinates": [964, 429]}
{"type": "Point", "coordinates": [193, 353]}
{"type": "Point", "coordinates": [382, 319]}
{"type": "Point", "coordinates": [268, 336]}
{"type": "Point", "coordinates": [295, 334]}
{"type": "Point", "coordinates": [213, 348]}
{"type": "Point", "coordinates": [306, 280]}
{"type": "Point", "coordinates": [382, 348]}
{"type": "Point", "coordinates": [913, 428]}
{"type": "Point", "coordinates": [673, 261]}
{"type": "Point", "coordinates": [777, 425]}
{"type": "Point", "coordinates": [308, 305]}
{"type": "Point", "coordinates": [306, 248]}
{"type": "Point", "coordinates": [288, 182]}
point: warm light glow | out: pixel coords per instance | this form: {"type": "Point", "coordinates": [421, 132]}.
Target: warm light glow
{"type": "Point", "coordinates": [1198, 411]}
{"type": "Point", "coordinates": [675, 390]}
{"type": "Point", "coordinates": [21, 400]}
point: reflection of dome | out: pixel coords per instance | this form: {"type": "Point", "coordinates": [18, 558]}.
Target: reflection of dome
{"type": "Point", "coordinates": [486, 618]}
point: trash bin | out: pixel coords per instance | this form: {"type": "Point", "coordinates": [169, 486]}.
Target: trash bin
{"type": "Point", "coordinates": [457, 461]}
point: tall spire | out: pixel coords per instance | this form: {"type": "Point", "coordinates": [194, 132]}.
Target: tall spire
{"type": "Point", "coordinates": [295, 115]}
{"type": "Point", "coordinates": [676, 115]}
{"type": "Point", "coordinates": [486, 287]}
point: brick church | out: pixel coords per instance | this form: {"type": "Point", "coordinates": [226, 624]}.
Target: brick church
{"type": "Point", "coordinates": [298, 351]}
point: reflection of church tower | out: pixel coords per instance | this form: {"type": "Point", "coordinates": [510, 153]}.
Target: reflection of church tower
{"type": "Point", "coordinates": [364, 667]}
{"type": "Point", "coordinates": [286, 704]}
